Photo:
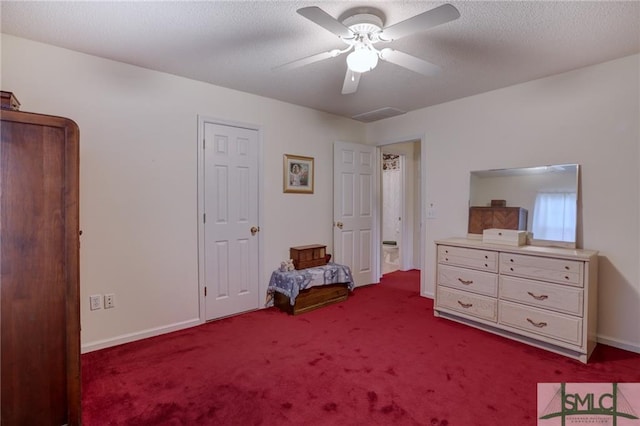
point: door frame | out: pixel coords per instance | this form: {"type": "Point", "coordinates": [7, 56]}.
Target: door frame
{"type": "Point", "coordinates": [421, 138]}
{"type": "Point", "coordinates": [202, 120]}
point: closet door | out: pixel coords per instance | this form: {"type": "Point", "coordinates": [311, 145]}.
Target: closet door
{"type": "Point", "coordinates": [40, 311]}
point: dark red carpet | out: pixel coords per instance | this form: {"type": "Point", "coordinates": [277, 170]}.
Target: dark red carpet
{"type": "Point", "coordinates": [379, 358]}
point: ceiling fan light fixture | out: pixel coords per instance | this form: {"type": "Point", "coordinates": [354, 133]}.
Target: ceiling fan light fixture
{"type": "Point", "coordinates": [362, 60]}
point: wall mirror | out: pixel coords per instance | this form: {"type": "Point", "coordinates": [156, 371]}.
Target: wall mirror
{"type": "Point", "coordinates": [542, 200]}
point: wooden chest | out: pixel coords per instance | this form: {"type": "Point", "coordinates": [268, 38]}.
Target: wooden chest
{"type": "Point", "coordinates": [481, 218]}
{"type": "Point", "coordinates": [312, 298]}
{"type": "Point", "coordinates": [308, 256]}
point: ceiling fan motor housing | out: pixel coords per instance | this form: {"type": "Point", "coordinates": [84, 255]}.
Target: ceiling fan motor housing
{"type": "Point", "coordinates": [364, 24]}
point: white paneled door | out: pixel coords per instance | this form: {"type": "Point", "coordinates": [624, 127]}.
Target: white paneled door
{"type": "Point", "coordinates": [354, 190]}
{"type": "Point", "coordinates": [230, 220]}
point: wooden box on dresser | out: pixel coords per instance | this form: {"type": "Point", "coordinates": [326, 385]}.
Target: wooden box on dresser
{"type": "Point", "coordinates": [543, 296]}
{"type": "Point", "coordinates": [40, 318]}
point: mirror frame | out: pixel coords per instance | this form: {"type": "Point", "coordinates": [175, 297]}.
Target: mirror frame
{"type": "Point", "coordinates": [534, 170]}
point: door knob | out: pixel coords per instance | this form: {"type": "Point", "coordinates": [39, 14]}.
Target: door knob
{"type": "Point", "coordinates": [339, 225]}
{"type": "Point", "coordinates": [255, 230]}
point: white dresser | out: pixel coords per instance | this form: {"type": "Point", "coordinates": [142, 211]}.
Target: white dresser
{"type": "Point", "coordinates": [543, 296]}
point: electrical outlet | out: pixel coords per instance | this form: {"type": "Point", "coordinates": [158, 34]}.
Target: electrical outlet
{"type": "Point", "coordinates": [95, 301]}
{"type": "Point", "coordinates": [432, 213]}
{"type": "Point", "coordinates": [109, 301]}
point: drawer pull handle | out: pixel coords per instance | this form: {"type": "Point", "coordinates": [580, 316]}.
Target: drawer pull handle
{"type": "Point", "coordinates": [465, 282]}
{"type": "Point", "coordinates": [541, 297]}
{"type": "Point", "coordinates": [446, 258]}
{"type": "Point", "coordinates": [511, 260]}
{"type": "Point", "coordinates": [537, 324]}
{"type": "Point", "coordinates": [465, 305]}
{"type": "Point", "coordinates": [486, 257]}
{"type": "Point", "coordinates": [511, 269]}
{"type": "Point", "coordinates": [446, 251]}
{"type": "Point", "coordinates": [567, 268]}
{"type": "Point", "coordinates": [486, 266]}
{"type": "Point", "coordinates": [566, 277]}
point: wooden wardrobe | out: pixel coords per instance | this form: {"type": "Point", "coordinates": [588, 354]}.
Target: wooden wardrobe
{"type": "Point", "coordinates": [39, 249]}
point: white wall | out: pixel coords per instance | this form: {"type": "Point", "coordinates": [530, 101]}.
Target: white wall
{"type": "Point", "coordinates": [588, 116]}
{"type": "Point", "coordinates": [138, 133]}
{"type": "Point", "coordinates": [138, 176]}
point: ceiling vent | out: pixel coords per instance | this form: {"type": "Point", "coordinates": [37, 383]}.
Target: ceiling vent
{"type": "Point", "coordinates": [378, 114]}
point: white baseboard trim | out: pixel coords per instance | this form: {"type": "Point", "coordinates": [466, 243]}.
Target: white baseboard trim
{"type": "Point", "coordinates": [139, 335]}
{"type": "Point", "coordinates": [618, 343]}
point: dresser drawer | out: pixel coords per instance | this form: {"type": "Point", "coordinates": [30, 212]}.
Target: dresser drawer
{"type": "Point", "coordinates": [545, 323]}
{"type": "Point", "coordinates": [542, 268]}
{"type": "Point", "coordinates": [483, 260]}
{"type": "Point", "coordinates": [549, 296]}
{"type": "Point", "coordinates": [467, 303]}
{"type": "Point", "coordinates": [469, 280]}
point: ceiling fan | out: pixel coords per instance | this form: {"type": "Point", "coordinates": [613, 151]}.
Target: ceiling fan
{"type": "Point", "coordinates": [362, 30]}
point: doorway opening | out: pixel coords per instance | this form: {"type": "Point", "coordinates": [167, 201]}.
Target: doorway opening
{"type": "Point", "coordinates": [392, 198]}
{"type": "Point", "coordinates": [401, 207]}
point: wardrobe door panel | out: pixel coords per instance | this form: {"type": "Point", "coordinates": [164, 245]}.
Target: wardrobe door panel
{"type": "Point", "coordinates": [39, 276]}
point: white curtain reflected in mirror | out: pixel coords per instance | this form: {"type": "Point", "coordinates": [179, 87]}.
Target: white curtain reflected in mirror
{"type": "Point", "coordinates": [554, 216]}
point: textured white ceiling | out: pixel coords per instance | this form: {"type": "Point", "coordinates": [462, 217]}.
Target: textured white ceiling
{"type": "Point", "coordinates": [236, 44]}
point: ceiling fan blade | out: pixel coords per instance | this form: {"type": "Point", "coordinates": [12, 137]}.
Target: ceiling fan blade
{"type": "Point", "coordinates": [410, 62]}
{"type": "Point", "coordinates": [326, 21]}
{"type": "Point", "coordinates": [308, 60]}
{"type": "Point", "coordinates": [424, 21]}
{"type": "Point", "coordinates": [351, 80]}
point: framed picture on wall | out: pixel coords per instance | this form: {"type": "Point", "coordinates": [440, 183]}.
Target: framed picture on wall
{"type": "Point", "coordinates": [298, 174]}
